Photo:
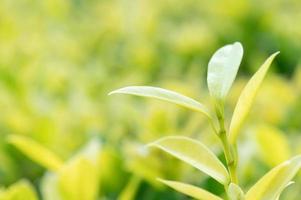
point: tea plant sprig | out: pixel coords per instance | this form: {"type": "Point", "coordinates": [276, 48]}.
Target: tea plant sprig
{"type": "Point", "coordinates": [222, 70]}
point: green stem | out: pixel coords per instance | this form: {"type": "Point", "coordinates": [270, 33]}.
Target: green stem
{"type": "Point", "coordinates": [229, 151]}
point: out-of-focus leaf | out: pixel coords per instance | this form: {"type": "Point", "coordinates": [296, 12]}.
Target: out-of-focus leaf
{"type": "Point", "coordinates": [130, 190]}
{"type": "Point", "coordinates": [246, 99]}
{"type": "Point", "coordinates": [49, 187]}
{"type": "Point", "coordinates": [36, 152]}
{"type": "Point", "coordinates": [268, 138]}
{"type": "Point", "coordinates": [195, 154]}
{"type": "Point", "coordinates": [289, 184]}
{"type": "Point", "coordinates": [19, 191]}
{"type": "Point", "coordinates": [271, 185]}
{"type": "Point", "coordinates": [222, 69]}
{"type": "Point", "coordinates": [78, 180]}
{"type": "Point", "coordinates": [165, 95]}
{"type": "Point", "coordinates": [190, 190]}
{"type": "Point", "coordinates": [235, 192]}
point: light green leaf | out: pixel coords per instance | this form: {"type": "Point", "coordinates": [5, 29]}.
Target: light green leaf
{"type": "Point", "coordinates": [36, 152]}
{"type": "Point", "coordinates": [235, 192]}
{"type": "Point", "coordinates": [190, 190]}
{"type": "Point", "coordinates": [270, 185]}
{"type": "Point", "coordinates": [165, 95]}
{"type": "Point", "coordinates": [19, 191]}
{"type": "Point", "coordinates": [79, 180]}
{"type": "Point", "coordinates": [222, 69]}
{"type": "Point", "coordinates": [289, 184]}
{"type": "Point", "coordinates": [246, 99]}
{"type": "Point", "coordinates": [195, 154]}
{"type": "Point", "coordinates": [131, 189]}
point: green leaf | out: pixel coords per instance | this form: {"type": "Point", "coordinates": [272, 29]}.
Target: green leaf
{"type": "Point", "coordinates": [195, 154]}
{"type": "Point", "coordinates": [222, 69]}
{"type": "Point", "coordinates": [131, 189]}
{"type": "Point", "coordinates": [246, 99]}
{"type": "Point", "coordinates": [36, 152]}
{"type": "Point", "coordinates": [235, 192]}
{"type": "Point", "coordinates": [289, 184]}
{"type": "Point", "coordinates": [165, 95]}
{"type": "Point", "coordinates": [19, 191]}
{"type": "Point", "coordinates": [271, 185]}
{"type": "Point", "coordinates": [190, 190]}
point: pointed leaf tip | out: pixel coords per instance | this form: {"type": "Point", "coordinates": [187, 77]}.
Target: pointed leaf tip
{"type": "Point", "coordinates": [247, 97]}
{"type": "Point", "coordinates": [165, 95]}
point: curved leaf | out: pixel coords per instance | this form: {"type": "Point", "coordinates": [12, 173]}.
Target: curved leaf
{"type": "Point", "coordinates": [289, 184]}
{"type": "Point", "coordinates": [270, 185]}
{"type": "Point", "coordinates": [165, 95]}
{"type": "Point", "coordinates": [222, 69]}
{"type": "Point", "coordinates": [36, 152]}
{"type": "Point", "coordinates": [246, 99]}
{"type": "Point", "coordinates": [18, 191]}
{"type": "Point", "coordinates": [190, 190]}
{"type": "Point", "coordinates": [195, 154]}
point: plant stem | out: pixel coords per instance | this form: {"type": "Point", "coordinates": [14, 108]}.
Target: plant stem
{"type": "Point", "coordinates": [228, 150]}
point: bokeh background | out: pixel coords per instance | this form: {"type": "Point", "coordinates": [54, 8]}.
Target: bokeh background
{"type": "Point", "coordinates": [60, 59]}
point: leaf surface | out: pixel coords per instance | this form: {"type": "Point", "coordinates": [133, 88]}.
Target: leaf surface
{"type": "Point", "coordinates": [247, 98]}
{"type": "Point", "coordinates": [165, 95]}
{"type": "Point", "coordinates": [195, 154]}
{"type": "Point", "coordinates": [271, 185]}
{"type": "Point", "coordinates": [222, 69]}
{"type": "Point", "coordinates": [36, 152]}
{"type": "Point", "coordinates": [190, 190]}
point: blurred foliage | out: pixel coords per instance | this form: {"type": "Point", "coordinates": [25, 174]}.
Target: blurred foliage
{"type": "Point", "coordinates": [59, 59]}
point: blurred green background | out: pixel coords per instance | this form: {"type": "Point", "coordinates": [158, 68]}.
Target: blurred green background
{"type": "Point", "coordinates": [59, 60]}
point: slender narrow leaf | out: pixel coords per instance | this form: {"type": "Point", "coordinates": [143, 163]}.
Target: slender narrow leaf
{"type": "Point", "coordinates": [246, 99]}
{"type": "Point", "coordinates": [36, 152]}
{"type": "Point", "coordinates": [195, 154]}
{"type": "Point", "coordinates": [271, 185]}
{"type": "Point", "coordinates": [222, 69]}
{"type": "Point", "coordinates": [190, 190]}
{"type": "Point", "coordinates": [165, 95]}
{"type": "Point", "coordinates": [289, 184]}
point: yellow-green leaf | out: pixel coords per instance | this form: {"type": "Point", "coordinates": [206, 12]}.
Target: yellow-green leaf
{"type": "Point", "coordinates": [190, 190]}
{"type": "Point", "coordinates": [195, 154]}
{"type": "Point", "coordinates": [19, 191]}
{"type": "Point", "coordinates": [289, 184]}
{"type": "Point", "coordinates": [130, 190]}
{"type": "Point", "coordinates": [222, 69]}
{"type": "Point", "coordinates": [268, 138]}
{"type": "Point", "coordinates": [165, 95]}
{"type": "Point", "coordinates": [235, 192]}
{"type": "Point", "coordinates": [271, 185]}
{"type": "Point", "coordinates": [246, 99]}
{"type": "Point", "coordinates": [36, 152]}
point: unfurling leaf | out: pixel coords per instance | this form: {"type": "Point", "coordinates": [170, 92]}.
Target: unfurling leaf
{"type": "Point", "coordinates": [36, 152]}
{"type": "Point", "coordinates": [235, 192]}
{"type": "Point", "coordinates": [246, 99]}
{"type": "Point", "coordinates": [165, 95]}
{"type": "Point", "coordinates": [195, 154]}
{"type": "Point", "coordinates": [271, 185]}
{"type": "Point", "coordinates": [222, 69]}
{"type": "Point", "coordinates": [190, 190]}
